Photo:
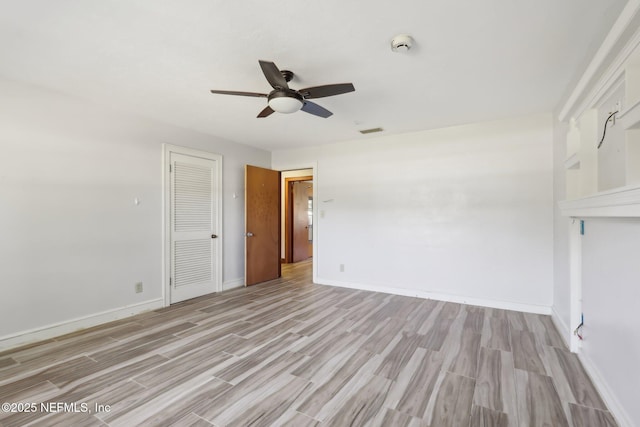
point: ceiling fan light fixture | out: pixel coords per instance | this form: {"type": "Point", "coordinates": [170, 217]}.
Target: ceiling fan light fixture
{"type": "Point", "coordinates": [283, 99]}
{"type": "Point", "coordinates": [286, 103]}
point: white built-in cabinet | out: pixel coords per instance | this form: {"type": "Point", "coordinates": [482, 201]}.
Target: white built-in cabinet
{"type": "Point", "coordinates": [616, 165]}
{"type": "Point", "coordinates": [630, 118]}
{"type": "Point", "coordinates": [602, 199]}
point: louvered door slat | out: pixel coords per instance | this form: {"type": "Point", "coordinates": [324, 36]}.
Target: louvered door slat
{"type": "Point", "coordinates": [193, 202]}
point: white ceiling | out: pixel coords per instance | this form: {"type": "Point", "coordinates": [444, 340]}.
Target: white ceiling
{"type": "Point", "coordinates": [473, 60]}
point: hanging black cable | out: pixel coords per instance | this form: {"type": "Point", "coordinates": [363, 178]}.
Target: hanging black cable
{"type": "Point", "coordinates": [605, 127]}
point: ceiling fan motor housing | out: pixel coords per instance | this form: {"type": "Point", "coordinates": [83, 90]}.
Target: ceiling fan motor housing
{"type": "Point", "coordinates": [288, 75]}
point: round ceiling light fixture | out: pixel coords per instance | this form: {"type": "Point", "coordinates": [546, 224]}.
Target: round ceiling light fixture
{"type": "Point", "coordinates": [285, 101]}
{"type": "Point", "coordinates": [401, 43]}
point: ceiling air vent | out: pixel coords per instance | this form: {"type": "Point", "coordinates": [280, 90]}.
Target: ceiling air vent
{"type": "Point", "coordinates": [372, 130]}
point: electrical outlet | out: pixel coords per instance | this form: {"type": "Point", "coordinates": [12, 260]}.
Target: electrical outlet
{"type": "Point", "coordinates": [341, 268]}
{"type": "Point", "coordinates": [615, 110]}
{"type": "Point", "coordinates": [138, 287]}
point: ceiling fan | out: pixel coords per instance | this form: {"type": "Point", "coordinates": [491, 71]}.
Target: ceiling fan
{"type": "Point", "coordinates": [283, 99]}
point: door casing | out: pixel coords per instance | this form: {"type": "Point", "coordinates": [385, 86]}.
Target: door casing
{"type": "Point", "coordinates": [288, 215]}
{"type": "Point", "coordinates": [318, 207]}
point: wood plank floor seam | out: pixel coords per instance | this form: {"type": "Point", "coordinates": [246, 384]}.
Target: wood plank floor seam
{"type": "Point", "coordinates": [292, 353]}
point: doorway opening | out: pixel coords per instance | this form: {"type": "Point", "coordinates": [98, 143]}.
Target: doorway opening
{"type": "Point", "coordinates": [297, 216]}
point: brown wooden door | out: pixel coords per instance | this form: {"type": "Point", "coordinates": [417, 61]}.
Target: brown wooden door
{"type": "Point", "coordinates": [302, 248]}
{"type": "Point", "coordinates": [262, 225]}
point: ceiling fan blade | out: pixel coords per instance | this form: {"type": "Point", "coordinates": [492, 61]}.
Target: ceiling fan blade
{"type": "Point", "coordinates": [315, 109]}
{"type": "Point", "coordinates": [233, 92]}
{"type": "Point", "coordinates": [266, 112]}
{"type": "Point", "coordinates": [326, 90]}
{"type": "Point", "coordinates": [273, 75]}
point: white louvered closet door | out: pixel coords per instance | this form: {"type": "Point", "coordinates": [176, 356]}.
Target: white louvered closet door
{"type": "Point", "coordinates": [195, 240]}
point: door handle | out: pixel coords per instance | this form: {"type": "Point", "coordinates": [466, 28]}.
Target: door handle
{"type": "Point", "coordinates": [249, 234]}
{"type": "Point", "coordinates": [213, 236]}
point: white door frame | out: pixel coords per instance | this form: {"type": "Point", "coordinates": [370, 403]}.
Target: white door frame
{"type": "Point", "coordinates": [316, 207]}
{"type": "Point", "coordinates": [167, 149]}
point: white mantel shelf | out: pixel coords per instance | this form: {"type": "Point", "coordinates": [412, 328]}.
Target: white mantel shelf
{"type": "Point", "coordinates": [621, 202]}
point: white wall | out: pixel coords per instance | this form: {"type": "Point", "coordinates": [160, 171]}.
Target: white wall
{"type": "Point", "coordinates": [610, 298]}
{"type": "Point", "coordinates": [561, 284]}
{"type": "Point", "coordinates": [73, 241]}
{"type": "Point", "coordinates": [463, 213]}
{"type": "Point", "coordinates": [611, 156]}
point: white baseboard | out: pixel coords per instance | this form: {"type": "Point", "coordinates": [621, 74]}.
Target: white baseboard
{"type": "Point", "coordinates": [505, 305]}
{"type": "Point", "coordinates": [622, 418]}
{"type": "Point", "coordinates": [232, 284]}
{"type": "Point", "coordinates": [61, 328]}
{"type": "Point", "coordinates": [561, 325]}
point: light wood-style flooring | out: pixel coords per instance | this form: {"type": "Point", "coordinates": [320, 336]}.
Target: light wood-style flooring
{"type": "Point", "coordinates": [289, 352]}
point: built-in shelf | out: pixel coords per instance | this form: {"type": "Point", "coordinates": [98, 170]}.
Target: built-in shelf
{"type": "Point", "coordinates": [621, 202]}
{"type": "Point", "coordinates": [616, 168]}
{"type": "Point", "coordinates": [572, 162]}
{"type": "Point", "coordinates": [630, 117]}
